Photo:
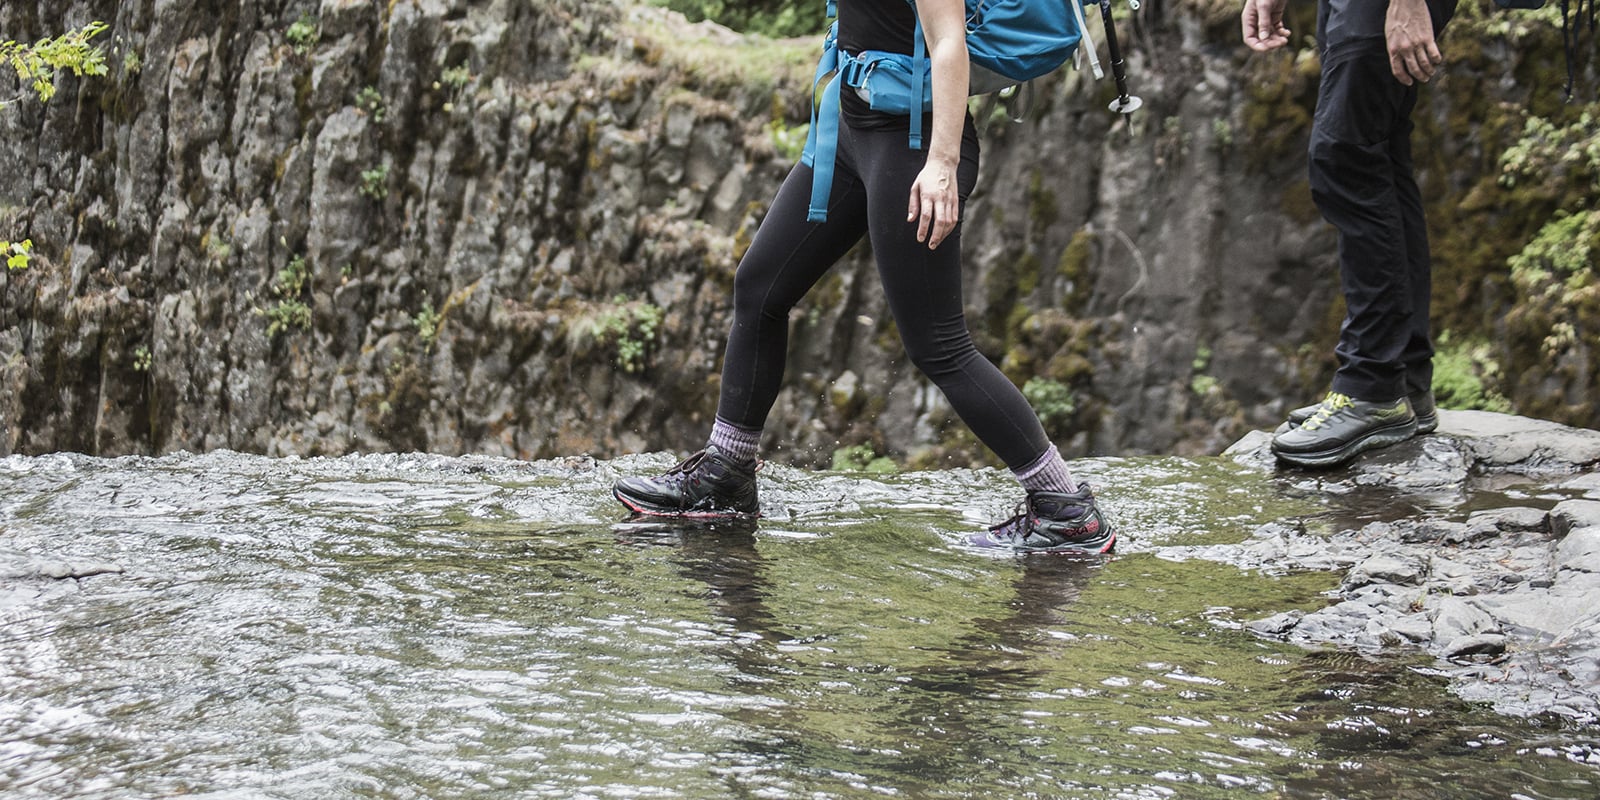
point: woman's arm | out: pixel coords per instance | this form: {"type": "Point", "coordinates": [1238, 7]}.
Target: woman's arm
{"type": "Point", "coordinates": [934, 202]}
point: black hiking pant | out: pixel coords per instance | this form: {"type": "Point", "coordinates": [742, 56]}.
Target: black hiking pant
{"type": "Point", "coordinates": [871, 188]}
{"type": "Point", "coordinates": [1362, 181]}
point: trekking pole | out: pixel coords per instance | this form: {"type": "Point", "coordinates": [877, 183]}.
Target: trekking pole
{"type": "Point", "coordinates": [1125, 104]}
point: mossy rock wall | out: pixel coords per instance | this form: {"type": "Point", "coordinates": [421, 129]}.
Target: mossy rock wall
{"type": "Point", "coordinates": [520, 223]}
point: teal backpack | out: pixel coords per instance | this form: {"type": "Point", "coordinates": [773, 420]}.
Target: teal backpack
{"type": "Point", "coordinates": [1009, 42]}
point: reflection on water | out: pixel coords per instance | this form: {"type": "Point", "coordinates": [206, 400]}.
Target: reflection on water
{"type": "Point", "coordinates": [408, 626]}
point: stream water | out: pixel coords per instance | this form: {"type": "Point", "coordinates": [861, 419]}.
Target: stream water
{"type": "Point", "coordinates": [426, 627]}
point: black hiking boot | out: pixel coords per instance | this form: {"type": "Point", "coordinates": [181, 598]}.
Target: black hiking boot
{"type": "Point", "coordinates": [1341, 427]}
{"type": "Point", "coordinates": [1421, 404]}
{"type": "Point", "coordinates": [706, 484]}
{"type": "Point", "coordinates": [1053, 522]}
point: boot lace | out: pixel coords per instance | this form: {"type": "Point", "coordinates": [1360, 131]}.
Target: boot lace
{"type": "Point", "coordinates": [1018, 525]}
{"type": "Point", "coordinates": [684, 470]}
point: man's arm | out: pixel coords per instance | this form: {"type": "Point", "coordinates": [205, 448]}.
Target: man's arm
{"type": "Point", "coordinates": [1413, 52]}
{"type": "Point", "coordinates": [1262, 24]}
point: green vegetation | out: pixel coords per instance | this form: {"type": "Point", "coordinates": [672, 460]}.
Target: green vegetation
{"type": "Point", "coordinates": [371, 102]}
{"type": "Point", "coordinates": [303, 34]}
{"type": "Point", "coordinates": [630, 327]}
{"type": "Point", "coordinates": [454, 80]}
{"type": "Point", "coordinates": [1560, 257]}
{"type": "Point", "coordinates": [776, 18]}
{"type": "Point", "coordinates": [457, 77]}
{"type": "Point", "coordinates": [38, 63]}
{"type": "Point", "coordinates": [862, 458]}
{"type": "Point", "coordinates": [141, 358]}
{"type": "Point", "coordinates": [789, 140]}
{"type": "Point", "coordinates": [16, 253]}
{"type": "Point", "coordinates": [1543, 203]}
{"type": "Point", "coordinates": [1222, 132]}
{"type": "Point", "coordinates": [1053, 401]}
{"type": "Point", "coordinates": [1201, 383]}
{"type": "Point", "coordinates": [1459, 373]}
{"type": "Point", "coordinates": [291, 310]}
{"type": "Point", "coordinates": [132, 63]}
{"type": "Point", "coordinates": [375, 182]}
{"type": "Point", "coordinates": [427, 321]}
{"type": "Point", "coordinates": [709, 63]}
{"type": "Point", "coordinates": [217, 248]}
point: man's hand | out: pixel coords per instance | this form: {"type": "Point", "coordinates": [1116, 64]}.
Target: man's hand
{"type": "Point", "coordinates": [1413, 53]}
{"type": "Point", "coordinates": [1262, 24]}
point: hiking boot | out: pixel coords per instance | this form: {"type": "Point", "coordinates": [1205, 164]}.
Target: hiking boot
{"type": "Point", "coordinates": [1053, 522]}
{"type": "Point", "coordinates": [1341, 427]}
{"type": "Point", "coordinates": [706, 484]}
{"type": "Point", "coordinates": [1421, 405]}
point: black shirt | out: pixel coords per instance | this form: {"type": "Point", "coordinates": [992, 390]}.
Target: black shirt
{"type": "Point", "coordinates": [876, 25]}
{"type": "Point", "coordinates": [886, 25]}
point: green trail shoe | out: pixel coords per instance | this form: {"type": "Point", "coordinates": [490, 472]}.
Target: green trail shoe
{"type": "Point", "coordinates": [1340, 428]}
{"type": "Point", "coordinates": [1053, 522]}
{"type": "Point", "coordinates": [1421, 405]}
{"type": "Point", "coordinates": [706, 484]}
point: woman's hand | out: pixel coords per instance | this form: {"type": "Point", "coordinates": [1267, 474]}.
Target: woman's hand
{"type": "Point", "coordinates": [935, 204]}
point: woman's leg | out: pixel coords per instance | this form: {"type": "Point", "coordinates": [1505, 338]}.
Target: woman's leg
{"type": "Point", "coordinates": [923, 288]}
{"type": "Point", "coordinates": [784, 261]}
{"type": "Point", "coordinates": [787, 257]}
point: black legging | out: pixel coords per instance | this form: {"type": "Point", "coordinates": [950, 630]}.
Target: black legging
{"type": "Point", "coordinates": [871, 188]}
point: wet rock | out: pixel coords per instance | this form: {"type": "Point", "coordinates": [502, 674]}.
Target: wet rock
{"type": "Point", "coordinates": [1588, 484]}
{"type": "Point", "coordinates": [1512, 520]}
{"type": "Point", "coordinates": [1516, 587]}
{"type": "Point", "coordinates": [1277, 624]}
{"type": "Point", "coordinates": [1478, 644]}
{"type": "Point", "coordinates": [1453, 618]}
{"type": "Point", "coordinates": [1385, 568]}
{"type": "Point", "coordinates": [1506, 443]}
{"type": "Point", "coordinates": [19, 566]}
{"type": "Point", "coordinates": [1571, 515]}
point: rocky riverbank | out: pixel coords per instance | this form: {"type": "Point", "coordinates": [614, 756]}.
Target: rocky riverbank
{"type": "Point", "coordinates": [1506, 598]}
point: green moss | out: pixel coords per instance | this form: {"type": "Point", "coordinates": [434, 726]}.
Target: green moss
{"type": "Point", "coordinates": [1279, 102]}
{"type": "Point", "coordinates": [1054, 402]}
{"type": "Point", "coordinates": [709, 59]}
{"type": "Point", "coordinates": [292, 286]}
{"type": "Point", "coordinates": [1073, 265]}
{"type": "Point", "coordinates": [1043, 210]}
{"type": "Point", "coordinates": [1027, 273]}
{"type": "Point", "coordinates": [1460, 370]}
{"type": "Point", "coordinates": [630, 328]}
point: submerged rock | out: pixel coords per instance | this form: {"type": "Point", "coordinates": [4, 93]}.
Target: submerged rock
{"type": "Point", "coordinates": [14, 565]}
{"type": "Point", "coordinates": [1507, 600]}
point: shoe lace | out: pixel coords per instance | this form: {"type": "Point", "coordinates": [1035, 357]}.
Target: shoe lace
{"type": "Point", "coordinates": [1330, 405]}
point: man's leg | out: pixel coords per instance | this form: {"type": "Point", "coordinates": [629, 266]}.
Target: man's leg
{"type": "Point", "coordinates": [1417, 355]}
{"type": "Point", "coordinates": [1362, 112]}
{"type": "Point", "coordinates": [1362, 122]}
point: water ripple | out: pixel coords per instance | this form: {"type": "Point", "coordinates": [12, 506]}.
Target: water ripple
{"type": "Point", "coordinates": [420, 626]}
